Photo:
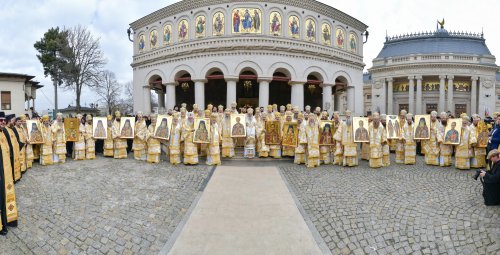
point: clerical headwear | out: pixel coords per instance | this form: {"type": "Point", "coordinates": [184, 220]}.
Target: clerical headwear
{"type": "Point", "coordinates": [269, 107]}
{"type": "Point", "coordinates": [475, 116]}
{"type": "Point", "coordinates": [45, 117]}
{"type": "Point", "coordinates": [23, 117]}
{"type": "Point", "coordinates": [195, 107]}
{"type": "Point", "coordinates": [109, 117]}
{"type": "Point", "coordinates": [277, 114]}
{"type": "Point", "coordinates": [289, 107]}
{"type": "Point", "coordinates": [89, 117]}
{"type": "Point", "coordinates": [317, 109]}
{"type": "Point", "coordinates": [463, 114]}
{"type": "Point", "coordinates": [183, 105]}
{"type": "Point", "coordinates": [209, 107]}
{"type": "Point", "coordinates": [220, 107]}
{"type": "Point", "coordinates": [10, 117]}
{"type": "Point", "coordinates": [59, 114]}
{"type": "Point", "coordinates": [402, 112]}
{"type": "Point", "coordinates": [257, 110]}
{"type": "Point", "coordinates": [465, 118]}
{"type": "Point", "coordinates": [250, 110]}
{"type": "Point", "coordinates": [348, 112]}
{"type": "Point", "coordinates": [409, 116]}
{"type": "Point", "coordinates": [139, 114]}
{"type": "Point", "coordinates": [118, 114]}
{"type": "Point", "coordinates": [300, 116]}
{"type": "Point", "coordinates": [2, 115]}
{"type": "Point", "coordinates": [375, 116]}
{"type": "Point", "coordinates": [207, 113]}
{"type": "Point", "coordinates": [308, 107]}
{"type": "Point", "coordinates": [233, 105]}
{"type": "Point", "coordinates": [176, 115]}
{"type": "Point", "coordinates": [214, 116]}
{"type": "Point", "coordinates": [443, 115]}
{"type": "Point", "coordinates": [383, 116]}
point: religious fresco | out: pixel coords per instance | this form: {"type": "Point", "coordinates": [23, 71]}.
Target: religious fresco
{"type": "Point", "coordinates": [310, 32]}
{"type": "Point", "coordinates": [34, 132]}
{"type": "Point", "coordinates": [360, 127]}
{"type": "Point", "coordinates": [183, 31]}
{"type": "Point", "coordinates": [392, 126]}
{"type": "Point", "coordinates": [326, 34]}
{"type": "Point", "coordinates": [218, 23]}
{"type": "Point", "coordinates": [326, 133]}
{"type": "Point", "coordinates": [201, 130]}
{"type": "Point", "coordinates": [422, 129]}
{"type": "Point", "coordinates": [290, 134]}
{"type": "Point", "coordinates": [200, 26]}
{"type": "Point", "coordinates": [238, 125]}
{"type": "Point", "coordinates": [246, 21]}
{"type": "Point", "coordinates": [71, 126]}
{"type": "Point", "coordinates": [353, 43]}
{"type": "Point", "coordinates": [293, 27]}
{"type": "Point", "coordinates": [275, 22]}
{"type": "Point", "coordinates": [153, 39]}
{"type": "Point", "coordinates": [127, 127]}
{"type": "Point", "coordinates": [162, 127]}
{"type": "Point", "coordinates": [339, 38]}
{"type": "Point", "coordinates": [100, 127]}
{"type": "Point", "coordinates": [142, 42]}
{"type": "Point", "coordinates": [453, 131]}
{"type": "Point", "coordinates": [167, 35]}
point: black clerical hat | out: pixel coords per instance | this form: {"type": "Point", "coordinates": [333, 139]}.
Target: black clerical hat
{"type": "Point", "coordinates": [9, 117]}
{"type": "Point", "coordinates": [2, 115]}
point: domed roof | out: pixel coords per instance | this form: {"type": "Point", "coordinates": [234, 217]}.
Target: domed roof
{"type": "Point", "coordinates": [440, 41]}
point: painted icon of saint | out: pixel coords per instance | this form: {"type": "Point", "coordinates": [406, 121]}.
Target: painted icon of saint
{"type": "Point", "coordinates": [99, 131]}
{"type": "Point", "coordinates": [183, 31]}
{"type": "Point", "coordinates": [168, 34]}
{"type": "Point", "coordinates": [326, 135]}
{"type": "Point", "coordinates": [247, 20]}
{"type": "Point", "coordinates": [236, 21]}
{"type": "Point", "coordinates": [311, 32]}
{"type": "Point", "coordinates": [127, 129]}
{"type": "Point", "coordinates": [35, 134]}
{"type": "Point", "coordinates": [452, 134]}
{"type": "Point", "coordinates": [142, 43]}
{"type": "Point", "coordinates": [272, 136]}
{"type": "Point", "coordinates": [361, 133]}
{"type": "Point", "coordinates": [218, 24]}
{"type": "Point", "coordinates": [390, 128]}
{"type": "Point", "coordinates": [201, 133]}
{"type": "Point", "coordinates": [238, 128]}
{"type": "Point", "coordinates": [256, 20]}
{"type": "Point", "coordinates": [162, 130]}
{"type": "Point", "coordinates": [200, 25]}
{"type": "Point", "coordinates": [289, 137]}
{"type": "Point", "coordinates": [422, 130]}
{"type": "Point", "coordinates": [294, 26]}
{"type": "Point", "coordinates": [340, 38]}
{"type": "Point", "coordinates": [326, 34]}
{"type": "Point", "coordinates": [353, 43]}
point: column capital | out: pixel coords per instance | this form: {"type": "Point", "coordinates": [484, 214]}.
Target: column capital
{"type": "Point", "coordinates": [450, 77]}
{"type": "Point", "coordinates": [231, 78]}
{"type": "Point", "coordinates": [418, 77]}
{"type": "Point", "coordinates": [411, 77]}
{"type": "Point", "coordinates": [268, 79]}
{"type": "Point", "coordinates": [474, 78]}
{"type": "Point", "coordinates": [442, 77]}
{"type": "Point", "coordinates": [389, 79]}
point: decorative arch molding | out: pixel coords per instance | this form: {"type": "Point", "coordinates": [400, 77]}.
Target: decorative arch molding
{"type": "Point", "coordinates": [154, 72]}
{"type": "Point", "coordinates": [213, 65]}
{"type": "Point", "coordinates": [248, 64]}
{"type": "Point", "coordinates": [176, 72]}
{"type": "Point", "coordinates": [343, 74]}
{"type": "Point", "coordinates": [315, 69]}
{"type": "Point", "coordinates": [282, 65]}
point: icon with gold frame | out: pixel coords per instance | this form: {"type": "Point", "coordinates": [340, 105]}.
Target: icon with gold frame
{"type": "Point", "coordinates": [453, 131]}
{"type": "Point", "coordinates": [238, 125]}
{"type": "Point", "coordinates": [162, 127]}
{"type": "Point", "coordinates": [201, 130]}
{"type": "Point", "coordinates": [392, 126]}
{"type": "Point", "coordinates": [71, 126]}
{"type": "Point", "coordinates": [127, 127]}
{"type": "Point", "coordinates": [325, 133]}
{"type": "Point", "coordinates": [273, 132]}
{"type": "Point", "coordinates": [422, 128]}
{"type": "Point", "coordinates": [34, 132]}
{"type": "Point", "coordinates": [360, 127]}
{"type": "Point", "coordinates": [290, 134]}
{"type": "Point", "coordinates": [482, 134]}
{"type": "Point", "coordinates": [100, 128]}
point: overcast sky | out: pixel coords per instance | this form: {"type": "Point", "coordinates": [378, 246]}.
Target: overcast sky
{"type": "Point", "coordinates": [25, 21]}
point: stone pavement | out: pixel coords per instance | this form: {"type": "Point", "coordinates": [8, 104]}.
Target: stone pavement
{"type": "Point", "coordinates": [397, 210]}
{"type": "Point", "coordinates": [102, 206]}
{"type": "Point", "coordinates": [245, 210]}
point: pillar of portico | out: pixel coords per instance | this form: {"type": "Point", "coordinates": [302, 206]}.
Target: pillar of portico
{"type": "Point", "coordinates": [264, 91]}
{"type": "Point", "coordinates": [338, 105]}
{"type": "Point", "coordinates": [161, 99]}
{"type": "Point", "coordinates": [199, 93]}
{"type": "Point", "coordinates": [441, 106]}
{"type": "Point", "coordinates": [298, 94]}
{"type": "Point", "coordinates": [327, 98]}
{"type": "Point", "coordinates": [450, 94]}
{"type": "Point", "coordinates": [170, 104]}
{"type": "Point", "coordinates": [147, 99]}
{"type": "Point", "coordinates": [473, 95]}
{"type": "Point", "coordinates": [231, 90]}
{"type": "Point", "coordinates": [411, 94]}
{"type": "Point", "coordinates": [350, 99]}
{"type": "Point", "coordinates": [390, 102]}
{"type": "Point", "coordinates": [418, 100]}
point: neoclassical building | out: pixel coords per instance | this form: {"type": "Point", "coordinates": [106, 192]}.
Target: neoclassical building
{"type": "Point", "coordinates": [440, 70]}
{"type": "Point", "coordinates": [250, 52]}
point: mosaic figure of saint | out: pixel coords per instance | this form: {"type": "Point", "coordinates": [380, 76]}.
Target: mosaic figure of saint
{"type": "Point", "coordinates": [154, 39]}
{"type": "Point", "coordinates": [167, 34]}
{"type": "Point", "coordinates": [127, 129]}
{"type": "Point", "coordinates": [238, 128]}
{"type": "Point", "coordinates": [353, 43]}
{"type": "Point", "coordinates": [294, 26]}
{"type": "Point", "coordinates": [361, 133]}
{"type": "Point", "coordinates": [247, 20]}
{"type": "Point", "coordinates": [218, 24]}
{"type": "Point", "coordinates": [200, 25]}
{"type": "Point", "coordinates": [452, 134]}
{"type": "Point", "coordinates": [236, 21]}
{"type": "Point", "coordinates": [201, 133]}
{"type": "Point", "coordinates": [340, 38]}
{"type": "Point", "coordinates": [99, 131]}
{"type": "Point", "coordinates": [35, 134]}
{"type": "Point", "coordinates": [142, 43]}
{"type": "Point", "coordinates": [397, 129]}
{"type": "Point", "coordinates": [183, 31]}
{"type": "Point", "coordinates": [162, 130]}
{"type": "Point", "coordinates": [422, 130]}
{"type": "Point", "coordinates": [310, 30]}
{"type": "Point", "coordinates": [256, 20]}
{"type": "Point", "coordinates": [275, 24]}
{"type": "Point", "coordinates": [326, 34]}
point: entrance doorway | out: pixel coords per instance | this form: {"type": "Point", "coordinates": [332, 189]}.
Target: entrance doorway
{"type": "Point", "coordinates": [430, 107]}
{"type": "Point", "coordinates": [280, 92]}
{"type": "Point", "coordinates": [247, 90]}
{"type": "Point", "coordinates": [216, 89]}
{"type": "Point", "coordinates": [313, 93]}
{"type": "Point", "coordinates": [184, 92]}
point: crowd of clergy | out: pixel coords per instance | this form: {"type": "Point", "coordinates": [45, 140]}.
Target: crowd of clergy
{"type": "Point", "coordinates": [18, 153]}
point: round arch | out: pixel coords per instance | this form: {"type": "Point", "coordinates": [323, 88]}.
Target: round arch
{"type": "Point", "coordinates": [180, 70]}
{"type": "Point", "coordinates": [314, 69]}
{"type": "Point", "coordinates": [248, 66]}
{"type": "Point", "coordinates": [155, 72]}
{"type": "Point", "coordinates": [283, 68]}
{"type": "Point", "coordinates": [210, 67]}
{"type": "Point", "coordinates": [313, 92]}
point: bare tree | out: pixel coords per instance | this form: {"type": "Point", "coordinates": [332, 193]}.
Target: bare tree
{"type": "Point", "coordinates": [108, 89]}
{"type": "Point", "coordinates": [85, 62]}
{"type": "Point", "coordinates": [126, 103]}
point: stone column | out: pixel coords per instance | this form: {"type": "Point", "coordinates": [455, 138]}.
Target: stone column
{"type": "Point", "coordinates": [298, 94]}
{"type": "Point", "coordinates": [441, 106]}
{"type": "Point", "coordinates": [411, 94]}
{"type": "Point", "coordinates": [473, 95]}
{"type": "Point", "coordinates": [231, 91]}
{"type": "Point", "coordinates": [338, 105]}
{"type": "Point", "coordinates": [199, 93]}
{"type": "Point", "coordinates": [264, 92]}
{"type": "Point", "coordinates": [161, 99]}
{"type": "Point", "coordinates": [390, 98]}
{"type": "Point", "coordinates": [350, 99]}
{"type": "Point", "coordinates": [327, 98]}
{"type": "Point", "coordinates": [418, 103]}
{"type": "Point", "coordinates": [170, 96]}
{"type": "Point", "coordinates": [147, 99]}
{"type": "Point", "coordinates": [450, 94]}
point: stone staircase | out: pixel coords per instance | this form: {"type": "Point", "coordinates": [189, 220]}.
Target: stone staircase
{"type": "Point", "coordinates": [238, 155]}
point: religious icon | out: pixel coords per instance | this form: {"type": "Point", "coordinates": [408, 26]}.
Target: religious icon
{"type": "Point", "coordinates": [127, 126]}
{"type": "Point", "coordinates": [275, 25]}
{"type": "Point", "coordinates": [142, 42]}
{"type": "Point", "coordinates": [247, 20]}
{"type": "Point", "coordinates": [153, 39]}
{"type": "Point", "coordinates": [238, 125]}
{"type": "Point", "coordinates": [339, 37]}
{"type": "Point", "coordinates": [311, 30]}
{"type": "Point", "coordinates": [326, 134]}
{"type": "Point", "coordinates": [71, 126]}
{"type": "Point", "coordinates": [201, 130]}
{"type": "Point", "coordinates": [360, 125]}
{"type": "Point", "coordinates": [273, 132]}
{"type": "Point", "coordinates": [167, 35]}
{"type": "Point", "coordinates": [422, 127]}
{"type": "Point", "coordinates": [294, 27]}
{"type": "Point", "coordinates": [290, 134]}
{"type": "Point", "coordinates": [482, 134]}
{"type": "Point", "coordinates": [183, 31]}
{"type": "Point", "coordinates": [393, 130]}
{"type": "Point", "coordinates": [100, 128]}
{"type": "Point", "coordinates": [218, 22]}
{"type": "Point", "coordinates": [352, 43]}
{"type": "Point", "coordinates": [326, 34]}
{"type": "Point", "coordinates": [453, 131]}
{"type": "Point", "coordinates": [162, 128]}
{"type": "Point", "coordinates": [34, 132]}
{"type": "Point", "coordinates": [200, 26]}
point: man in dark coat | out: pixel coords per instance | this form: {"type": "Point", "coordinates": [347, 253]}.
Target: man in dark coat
{"type": "Point", "coordinates": [491, 180]}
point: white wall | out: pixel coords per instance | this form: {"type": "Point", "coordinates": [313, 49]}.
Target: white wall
{"type": "Point", "coordinates": [16, 89]}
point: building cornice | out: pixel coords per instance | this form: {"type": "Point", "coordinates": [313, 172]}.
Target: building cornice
{"type": "Point", "coordinates": [375, 70]}
{"type": "Point", "coordinates": [188, 5]}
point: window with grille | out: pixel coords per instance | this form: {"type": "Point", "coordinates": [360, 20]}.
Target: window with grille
{"type": "Point", "coordinates": [5, 99]}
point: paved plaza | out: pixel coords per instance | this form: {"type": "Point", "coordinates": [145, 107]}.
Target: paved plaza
{"type": "Point", "coordinates": [128, 207]}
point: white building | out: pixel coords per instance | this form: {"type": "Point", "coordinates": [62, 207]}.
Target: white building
{"type": "Point", "coordinates": [440, 70]}
{"type": "Point", "coordinates": [17, 93]}
{"type": "Point", "coordinates": [250, 52]}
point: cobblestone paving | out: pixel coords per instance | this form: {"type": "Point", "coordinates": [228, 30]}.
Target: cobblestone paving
{"type": "Point", "coordinates": [102, 206]}
{"type": "Point", "coordinates": [397, 210]}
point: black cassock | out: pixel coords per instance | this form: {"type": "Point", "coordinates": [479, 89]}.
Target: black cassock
{"type": "Point", "coordinates": [491, 185]}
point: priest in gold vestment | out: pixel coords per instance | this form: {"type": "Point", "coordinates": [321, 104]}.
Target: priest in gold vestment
{"type": "Point", "coordinates": [227, 140]}
{"type": "Point", "coordinates": [153, 144]}
{"type": "Point", "coordinates": [8, 205]}
{"type": "Point", "coordinates": [119, 144]}
{"type": "Point", "coordinates": [478, 154]}
{"type": "Point", "coordinates": [108, 142]}
{"type": "Point", "coordinates": [463, 150]}
{"type": "Point", "coordinates": [213, 150]}
{"type": "Point", "coordinates": [337, 148]}
{"type": "Point", "coordinates": [326, 150]}
{"type": "Point", "coordinates": [29, 147]}
{"type": "Point", "coordinates": [262, 147]}
{"type": "Point", "coordinates": [300, 150]}
{"type": "Point", "coordinates": [444, 150]}
{"type": "Point", "coordinates": [139, 143]}
{"type": "Point", "coordinates": [46, 147]}
{"type": "Point", "coordinates": [378, 138]}
{"type": "Point", "coordinates": [409, 141]}
{"type": "Point", "coordinates": [386, 152]}
{"type": "Point", "coordinates": [59, 139]}
{"type": "Point", "coordinates": [400, 147]}
{"type": "Point", "coordinates": [22, 140]}
{"type": "Point", "coordinates": [174, 145]}
{"type": "Point", "coordinates": [345, 137]}
{"type": "Point", "coordinates": [190, 148]}
{"type": "Point", "coordinates": [432, 147]}
{"type": "Point", "coordinates": [287, 150]}
{"type": "Point", "coordinates": [275, 149]}
{"type": "Point", "coordinates": [250, 140]}
{"type": "Point", "coordinates": [312, 136]}
{"type": "Point", "coordinates": [79, 145]}
{"type": "Point", "coordinates": [89, 139]}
